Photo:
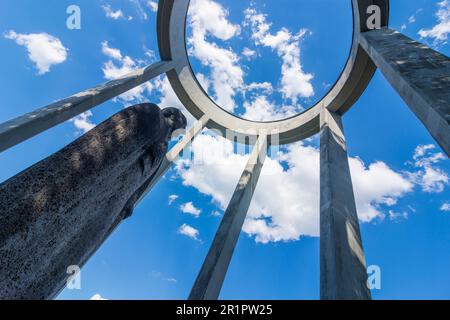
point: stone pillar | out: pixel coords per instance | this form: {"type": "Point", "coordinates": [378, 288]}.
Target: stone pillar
{"type": "Point", "coordinates": [419, 74]}
{"type": "Point", "coordinates": [212, 274]}
{"type": "Point", "coordinates": [57, 213]}
{"type": "Point", "coordinates": [343, 272]}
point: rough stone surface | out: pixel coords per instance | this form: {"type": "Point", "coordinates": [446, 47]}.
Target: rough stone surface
{"type": "Point", "coordinates": [419, 74]}
{"type": "Point", "coordinates": [343, 274]}
{"type": "Point", "coordinates": [58, 212]}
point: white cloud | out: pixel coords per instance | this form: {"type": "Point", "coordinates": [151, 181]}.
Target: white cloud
{"type": "Point", "coordinates": [411, 20]}
{"type": "Point", "coordinates": [189, 208]}
{"type": "Point", "coordinates": [168, 97]}
{"type": "Point", "coordinates": [97, 297]}
{"type": "Point", "coordinates": [209, 20]}
{"type": "Point", "coordinates": [398, 216]}
{"type": "Point", "coordinates": [260, 109]}
{"type": "Point", "coordinates": [248, 52]}
{"type": "Point", "coordinates": [295, 82]}
{"type": "Point", "coordinates": [44, 50]}
{"type": "Point", "coordinates": [206, 18]}
{"type": "Point", "coordinates": [286, 201]}
{"type": "Point", "coordinates": [110, 13]}
{"type": "Point", "coordinates": [266, 87]}
{"type": "Point", "coordinates": [431, 178]}
{"type": "Point", "coordinates": [153, 5]}
{"type": "Point", "coordinates": [439, 33]}
{"type": "Point", "coordinates": [189, 232]}
{"type": "Point", "coordinates": [445, 207]}
{"type": "Point", "coordinates": [111, 52]}
{"type": "Point", "coordinates": [159, 275]}
{"type": "Point", "coordinates": [421, 150]}
{"type": "Point", "coordinates": [83, 122]}
{"type": "Point", "coordinates": [173, 198]}
{"type": "Point", "coordinates": [119, 66]}
{"type": "Point", "coordinates": [376, 185]}
{"type": "Point", "coordinates": [140, 9]}
{"type": "Point", "coordinates": [216, 213]}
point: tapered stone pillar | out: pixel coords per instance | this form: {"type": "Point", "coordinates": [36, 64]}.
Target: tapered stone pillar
{"type": "Point", "coordinates": [342, 263]}
{"type": "Point", "coordinates": [24, 127]}
{"type": "Point", "coordinates": [58, 212]}
{"type": "Point", "coordinates": [212, 274]}
{"type": "Point", "coordinates": [419, 74]}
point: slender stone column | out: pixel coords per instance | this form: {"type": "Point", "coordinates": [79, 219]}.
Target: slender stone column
{"type": "Point", "coordinates": [419, 74]}
{"type": "Point", "coordinates": [342, 264]}
{"type": "Point", "coordinates": [24, 127]}
{"type": "Point", "coordinates": [210, 279]}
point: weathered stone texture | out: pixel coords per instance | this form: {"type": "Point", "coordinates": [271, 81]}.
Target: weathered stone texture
{"type": "Point", "coordinates": [343, 273]}
{"type": "Point", "coordinates": [59, 211]}
{"type": "Point", "coordinates": [420, 75]}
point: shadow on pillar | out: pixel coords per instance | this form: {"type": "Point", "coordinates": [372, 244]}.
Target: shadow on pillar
{"type": "Point", "coordinates": [58, 212]}
{"type": "Point", "coordinates": [343, 274]}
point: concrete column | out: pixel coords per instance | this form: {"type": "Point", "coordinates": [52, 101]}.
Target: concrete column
{"type": "Point", "coordinates": [24, 127]}
{"type": "Point", "coordinates": [419, 74]}
{"type": "Point", "coordinates": [212, 274]}
{"type": "Point", "coordinates": [342, 264]}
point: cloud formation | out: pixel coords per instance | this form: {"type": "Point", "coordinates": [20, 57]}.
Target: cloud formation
{"type": "Point", "coordinates": [97, 296]}
{"type": "Point", "coordinates": [209, 19]}
{"type": "Point", "coordinates": [172, 198]}
{"type": "Point", "coordinates": [189, 208]}
{"type": "Point", "coordinates": [429, 177]}
{"type": "Point", "coordinates": [110, 13]}
{"type": "Point", "coordinates": [44, 50]}
{"type": "Point", "coordinates": [445, 207]}
{"type": "Point", "coordinates": [118, 66]}
{"type": "Point", "coordinates": [439, 32]}
{"type": "Point", "coordinates": [189, 232]}
{"type": "Point", "coordinates": [285, 205]}
{"type": "Point", "coordinates": [295, 82]}
{"type": "Point", "coordinates": [83, 122]}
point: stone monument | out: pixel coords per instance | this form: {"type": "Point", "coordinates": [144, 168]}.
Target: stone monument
{"type": "Point", "coordinates": [58, 212]}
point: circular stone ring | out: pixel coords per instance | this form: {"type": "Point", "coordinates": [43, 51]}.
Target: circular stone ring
{"type": "Point", "coordinates": [352, 82]}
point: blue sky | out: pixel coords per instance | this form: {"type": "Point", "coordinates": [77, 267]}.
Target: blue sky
{"type": "Point", "coordinates": [260, 61]}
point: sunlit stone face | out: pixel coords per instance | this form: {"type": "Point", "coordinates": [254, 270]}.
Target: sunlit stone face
{"type": "Point", "coordinates": [268, 60]}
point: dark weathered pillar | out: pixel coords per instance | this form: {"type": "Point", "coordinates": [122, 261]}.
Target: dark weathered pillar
{"type": "Point", "coordinates": [210, 279]}
{"type": "Point", "coordinates": [58, 212]}
{"type": "Point", "coordinates": [343, 272]}
{"type": "Point", "coordinates": [419, 74]}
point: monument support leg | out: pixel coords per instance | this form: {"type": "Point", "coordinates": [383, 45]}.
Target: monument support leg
{"type": "Point", "coordinates": [342, 263]}
{"type": "Point", "coordinates": [212, 274]}
{"type": "Point", "coordinates": [419, 74]}
{"type": "Point", "coordinates": [26, 126]}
